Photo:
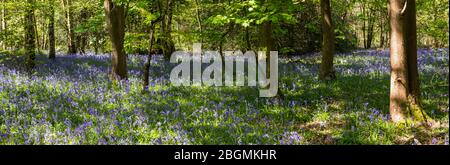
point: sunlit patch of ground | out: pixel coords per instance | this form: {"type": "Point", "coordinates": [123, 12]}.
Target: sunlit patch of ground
{"type": "Point", "coordinates": [72, 101]}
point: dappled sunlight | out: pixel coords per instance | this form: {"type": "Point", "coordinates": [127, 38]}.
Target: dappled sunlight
{"type": "Point", "coordinates": [72, 101]}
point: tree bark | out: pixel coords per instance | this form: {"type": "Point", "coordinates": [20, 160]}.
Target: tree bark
{"type": "Point", "coordinates": [399, 66]}
{"type": "Point", "coordinates": [199, 21]}
{"type": "Point", "coordinates": [268, 42]}
{"type": "Point", "coordinates": [370, 24]}
{"type": "Point", "coordinates": [326, 68]}
{"type": "Point", "coordinates": [97, 36]}
{"type": "Point", "coordinates": [247, 32]}
{"type": "Point", "coordinates": [115, 19]}
{"type": "Point", "coordinates": [71, 47]}
{"type": "Point", "coordinates": [381, 30]}
{"type": "Point", "coordinates": [149, 59]}
{"type": "Point", "coordinates": [166, 30]}
{"type": "Point", "coordinates": [363, 10]}
{"type": "Point", "coordinates": [3, 27]}
{"type": "Point", "coordinates": [51, 32]}
{"type": "Point", "coordinates": [36, 34]}
{"type": "Point", "coordinates": [405, 88]}
{"type": "Point", "coordinates": [30, 36]}
{"type": "Point", "coordinates": [146, 78]}
{"type": "Point", "coordinates": [83, 37]}
{"type": "Point", "coordinates": [247, 39]}
{"type": "Point", "coordinates": [414, 95]}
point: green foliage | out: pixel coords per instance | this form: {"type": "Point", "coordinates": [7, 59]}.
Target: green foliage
{"type": "Point", "coordinates": [136, 43]}
{"type": "Point", "coordinates": [432, 23]}
{"type": "Point", "coordinates": [229, 24]}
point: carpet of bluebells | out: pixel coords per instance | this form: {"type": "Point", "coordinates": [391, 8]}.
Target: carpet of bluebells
{"type": "Point", "coordinates": [72, 101]}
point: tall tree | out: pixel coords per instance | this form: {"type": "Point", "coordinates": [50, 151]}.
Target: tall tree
{"type": "Point", "coordinates": [51, 31]}
{"type": "Point", "coordinates": [405, 87]}
{"type": "Point", "coordinates": [267, 41]}
{"type": "Point", "coordinates": [150, 49]}
{"type": "Point", "coordinates": [67, 5]}
{"type": "Point", "coordinates": [3, 26]}
{"type": "Point", "coordinates": [327, 71]}
{"type": "Point", "coordinates": [149, 57]}
{"type": "Point", "coordinates": [115, 19]}
{"type": "Point", "coordinates": [167, 43]}
{"type": "Point", "coordinates": [30, 35]}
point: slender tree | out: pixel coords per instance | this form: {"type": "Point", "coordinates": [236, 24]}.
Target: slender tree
{"type": "Point", "coordinates": [3, 26]}
{"type": "Point", "coordinates": [30, 36]}
{"type": "Point", "coordinates": [115, 19]}
{"type": "Point", "coordinates": [150, 49]}
{"type": "Point", "coordinates": [167, 43]}
{"type": "Point", "coordinates": [51, 31]}
{"type": "Point", "coordinates": [149, 58]}
{"type": "Point", "coordinates": [67, 5]}
{"type": "Point", "coordinates": [326, 68]}
{"type": "Point", "coordinates": [405, 87]}
{"type": "Point", "coordinates": [267, 41]}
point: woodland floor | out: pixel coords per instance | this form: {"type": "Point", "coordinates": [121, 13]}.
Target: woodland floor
{"type": "Point", "coordinates": [72, 101]}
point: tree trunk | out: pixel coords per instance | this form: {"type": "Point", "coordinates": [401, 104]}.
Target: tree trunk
{"type": "Point", "coordinates": [115, 19]}
{"type": "Point", "coordinates": [51, 32]}
{"type": "Point", "coordinates": [405, 88]}
{"type": "Point", "coordinates": [149, 59]}
{"type": "Point", "coordinates": [83, 37]}
{"type": "Point", "coordinates": [71, 47]}
{"type": "Point", "coordinates": [363, 10]}
{"type": "Point", "coordinates": [399, 66]}
{"type": "Point", "coordinates": [247, 39]}
{"type": "Point", "coordinates": [268, 43]}
{"type": "Point", "coordinates": [370, 25]}
{"type": "Point", "coordinates": [247, 32]}
{"type": "Point", "coordinates": [3, 27]}
{"type": "Point", "coordinates": [36, 35]}
{"type": "Point", "coordinates": [326, 68]}
{"type": "Point", "coordinates": [30, 36]}
{"type": "Point", "coordinates": [413, 69]}
{"type": "Point", "coordinates": [199, 21]}
{"type": "Point", "coordinates": [166, 30]}
{"type": "Point", "coordinates": [97, 36]}
{"type": "Point", "coordinates": [381, 30]}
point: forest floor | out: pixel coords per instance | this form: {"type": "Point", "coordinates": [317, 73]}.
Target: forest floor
{"type": "Point", "coordinates": [72, 101]}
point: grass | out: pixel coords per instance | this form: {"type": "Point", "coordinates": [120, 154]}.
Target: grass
{"type": "Point", "coordinates": [71, 101]}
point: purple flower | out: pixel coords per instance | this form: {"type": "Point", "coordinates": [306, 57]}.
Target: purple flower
{"type": "Point", "coordinates": [434, 141]}
{"type": "Point", "coordinates": [92, 111]}
{"type": "Point", "coordinates": [290, 138]}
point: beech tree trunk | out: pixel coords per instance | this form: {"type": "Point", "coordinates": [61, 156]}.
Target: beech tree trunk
{"type": "Point", "coordinates": [71, 47]}
{"type": "Point", "coordinates": [405, 87]}
{"type": "Point", "coordinates": [363, 11]}
{"type": "Point", "coordinates": [327, 71]}
{"type": "Point", "coordinates": [3, 26]}
{"type": "Point", "coordinates": [30, 36]}
{"type": "Point", "coordinates": [36, 35]}
{"type": "Point", "coordinates": [166, 29]}
{"type": "Point", "coordinates": [115, 19]}
{"type": "Point", "coordinates": [381, 30]}
{"type": "Point", "coordinates": [370, 22]}
{"type": "Point", "coordinates": [268, 42]}
{"type": "Point", "coordinates": [51, 32]}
